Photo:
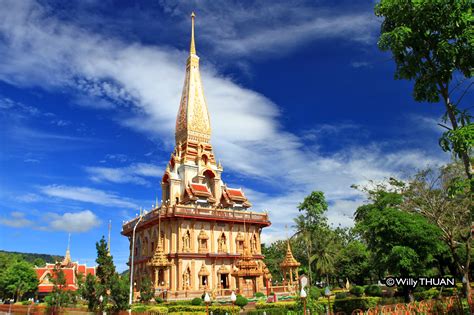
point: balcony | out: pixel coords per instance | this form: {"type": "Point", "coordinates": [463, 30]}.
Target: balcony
{"type": "Point", "coordinates": [204, 213]}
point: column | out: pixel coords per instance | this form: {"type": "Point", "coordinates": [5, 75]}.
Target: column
{"type": "Point", "coordinates": [173, 279]}
{"type": "Point", "coordinates": [193, 239]}
{"type": "Point", "coordinates": [231, 240]}
{"type": "Point", "coordinates": [178, 237]}
{"type": "Point", "coordinates": [193, 275]}
{"type": "Point", "coordinates": [180, 274]}
{"type": "Point", "coordinates": [212, 239]}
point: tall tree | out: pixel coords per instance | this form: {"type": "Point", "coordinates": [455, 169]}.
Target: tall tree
{"type": "Point", "coordinates": [431, 41]}
{"type": "Point", "coordinates": [146, 290]}
{"type": "Point", "coordinates": [403, 244]}
{"type": "Point", "coordinates": [105, 263]}
{"type": "Point", "coordinates": [313, 208]}
{"type": "Point", "coordinates": [19, 278]}
{"type": "Point", "coordinates": [60, 295]}
{"type": "Point", "coordinates": [429, 194]}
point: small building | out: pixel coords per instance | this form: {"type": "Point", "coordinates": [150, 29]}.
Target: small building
{"type": "Point", "coordinates": [72, 271]}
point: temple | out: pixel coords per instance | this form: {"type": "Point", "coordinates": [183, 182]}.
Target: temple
{"type": "Point", "coordinates": [72, 271]}
{"type": "Point", "coordinates": [203, 235]}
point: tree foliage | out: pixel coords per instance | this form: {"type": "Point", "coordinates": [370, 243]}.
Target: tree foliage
{"type": "Point", "coordinates": [146, 290]}
{"type": "Point", "coordinates": [17, 279]}
{"type": "Point", "coordinates": [431, 42]}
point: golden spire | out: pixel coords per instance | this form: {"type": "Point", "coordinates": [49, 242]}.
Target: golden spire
{"type": "Point", "coordinates": [67, 257]}
{"type": "Point", "coordinates": [192, 49]}
{"type": "Point", "coordinates": [193, 121]}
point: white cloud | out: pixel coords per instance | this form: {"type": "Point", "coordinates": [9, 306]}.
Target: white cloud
{"type": "Point", "coordinates": [77, 222]}
{"type": "Point", "coordinates": [247, 134]}
{"type": "Point", "coordinates": [17, 220]}
{"type": "Point", "coordinates": [134, 173]}
{"type": "Point", "coordinates": [277, 27]}
{"type": "Point", "coordinates": [86, 194]}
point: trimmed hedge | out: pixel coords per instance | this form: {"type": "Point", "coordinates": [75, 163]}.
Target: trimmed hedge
{"type": "Point", "coordinates": [350, 304]}
{"type": "Point", "coordinates": [241, 301]}
{"type": "Point", "coordinates": [268, 311]}
{"type": "Point", "coordinates": [196, 301]}
{"type": "Point", "coordinates": [373, 290]}
{"type": "Point", "coordinates": [426, 295]}
{"type": "Point", "coordinates": [216, 310]}
{"type": "Point", "coordinates": [276, 305]}
{"type": "Point", "coordinates": [259, 294]}
{"type": "Point", "coordinates": [357, 290]}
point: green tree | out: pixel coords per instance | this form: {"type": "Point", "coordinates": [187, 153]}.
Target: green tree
{"type": "Point", "coordinates": [146, 290]}
{"type": "Point", "coordinates": [429, 194]}
{"type": "Point", "coordinates": [353, 262]}
{"type": "Point", "coordinates": [402, 244]}
{"type": "Point", "coordinates": [39, 262]}
{"type": "Point", "coordinates": [60, 296]}
{"type": "Point", "coordinates": [313, 207]}
{"type": "Point", "coordinates": [105, 264]}
{"type": "Point", "coordinates": [19, 278]}
{"type": "Point", "coordinates": [119, 292]}
{"type": "Point", "coordinates": [431, 41]}
{"type": "Point", "coordinates": [88, 292]}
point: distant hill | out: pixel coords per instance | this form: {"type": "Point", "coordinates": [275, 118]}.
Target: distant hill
{"type": "Point", "coordinates": [32, 257]}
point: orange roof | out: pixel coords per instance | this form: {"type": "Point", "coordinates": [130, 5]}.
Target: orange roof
{"type": "Point", "coordinates": [235, 192]}
{"type": "Point", "coordinates": [200, 187]}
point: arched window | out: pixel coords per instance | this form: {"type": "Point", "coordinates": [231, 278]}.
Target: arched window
{"type": "Point", "coordinates": [205, 159]}
{"type": "Point", "coordinates": [209, 180]}
{"type": "Point", "coordinates": [165, 186]}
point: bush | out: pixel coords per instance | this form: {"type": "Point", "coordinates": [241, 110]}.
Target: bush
{"type": "Point", "coordinates": [357, 290]}
{"type": "Point", "coordinates": [159, 300]}
{"type": "Point", "coordinates": [196, 301]}
{"type": "Point", "coordinates": [426, 295]}
{"type": "Point", "coordinates": [216, 310]}
{"type": "Point", "coordinates": [341, 295]}
{"type": "Point", "coordinates": [314, 293]}
{"type": "Point", "coordinates": [26, 302]}
{"type": "Point", "coordinates": [373, 290]}
{"type": "Point", "coordinates": [158, 310]}
{"type": "Point", "coordinates": [139, 308]}
{"type": "Point", "coordinates": [259, 295]}
{"type": "Point", "coordinates": [350, 304]}
{"type": "Point", "coordinates": [277, 305]}
{"type": "Point", "coordinates": [188, 313]}
{"type": "Point", "coordinates": [241, 301]}
{"type": "Point", "coordinates": [268, 311]}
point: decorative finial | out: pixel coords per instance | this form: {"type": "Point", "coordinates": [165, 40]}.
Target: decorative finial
{"type": "Point", "coordinates": [192, 49]}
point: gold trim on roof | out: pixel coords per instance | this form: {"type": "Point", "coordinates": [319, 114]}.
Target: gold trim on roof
{"type": "Point", "coordinates": [289, 260]}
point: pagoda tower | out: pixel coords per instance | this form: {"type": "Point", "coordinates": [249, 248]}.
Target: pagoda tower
{"type": "Point", "coordinates": [289, 267]}
{"type": "Point", "coordinates": [196, 239]}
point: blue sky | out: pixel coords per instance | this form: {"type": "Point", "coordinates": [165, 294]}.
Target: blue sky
{"type": "Point", "coordinates": [300, 99]}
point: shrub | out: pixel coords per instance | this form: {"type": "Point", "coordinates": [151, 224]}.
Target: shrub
{"type": "Point", "coordinates": [426, 295]}
{"type": "Point", "coordinates": [26, 302]}
{"type": "Point", "coordinates": [357, 290]}
{"type": "Point", "coordinates": [373, 290]}
{"type": "Point", "coordinates": [196, 301]}
{"type": "Point", "coordinates": [350, 304]}
{"type": "Point", "coordinates": [314, 293]}
{"type": "Point", "coordinates": [268, 311]}
{"type": "Point", "coordinates": [158, 310]}
{"type": "Point", "coordinates": [241, 301]}
{"type": "Point", "coordinates": [139, 308]}
{"type": "Point", "coordinates": [216, 310]}
{"type": "Point", "coordinates": [187, 313]}
{"type": "Point", "coordinates": [278, 305]}
{"type": "Point", "coordinates": [388, 293]}
{"type": "Point", "coordinates": [341, 295]}
{"type": "Point", "coordinates": [159, 300]}
{"type": "Point", "coordinates": [259, 295]}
